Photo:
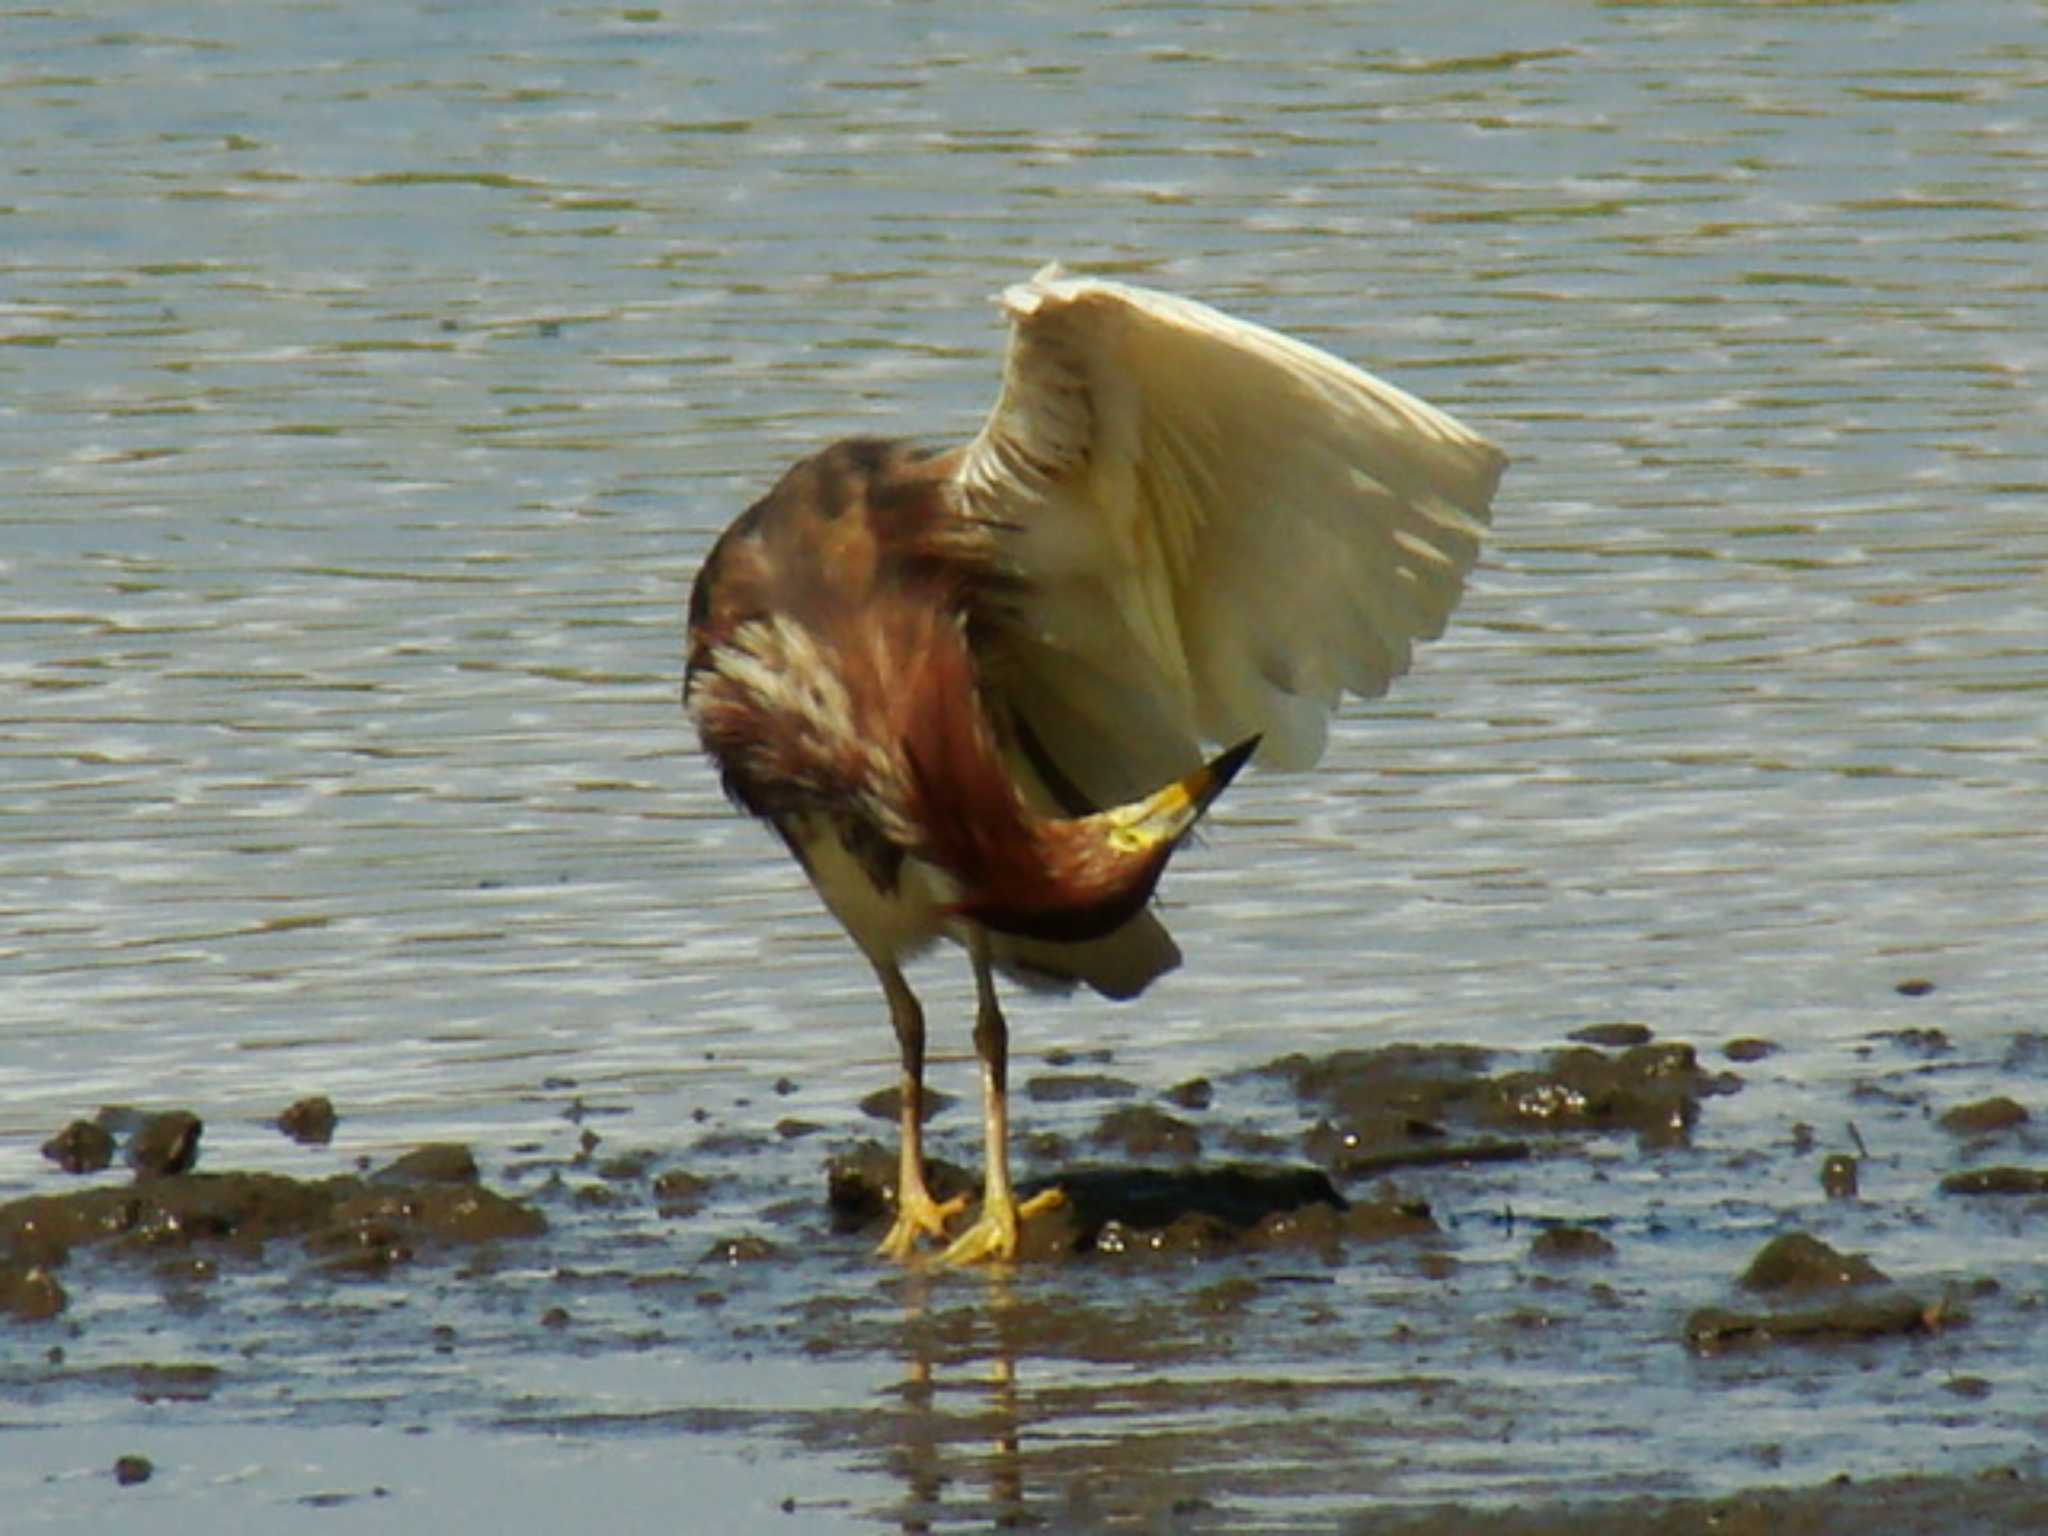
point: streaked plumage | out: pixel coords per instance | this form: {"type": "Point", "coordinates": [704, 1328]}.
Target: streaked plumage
{"type": "Point", "coordinates": [954, 683]}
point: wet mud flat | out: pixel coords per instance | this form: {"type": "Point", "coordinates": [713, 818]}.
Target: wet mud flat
{"type": "Point", "coordinates": [1622, 1283]}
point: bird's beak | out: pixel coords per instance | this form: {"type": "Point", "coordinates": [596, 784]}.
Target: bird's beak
{"type": "Point", "coordinates": [1166, 817]}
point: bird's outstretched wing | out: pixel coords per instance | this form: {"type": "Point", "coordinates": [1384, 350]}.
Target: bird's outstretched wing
{"type": "Point", "coordinates": [1217, 530]}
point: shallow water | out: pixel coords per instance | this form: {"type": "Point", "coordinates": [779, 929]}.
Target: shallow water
{"type": "Point", "coordinates": [375, 378]}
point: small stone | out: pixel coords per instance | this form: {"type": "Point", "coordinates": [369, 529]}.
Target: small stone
{"type": "Point", "coordinates": [130, 1470]}
{"type": "Point", "coordinates": [1748, 1048]}
{"type": "Point", "coordinates": [1914, 986]}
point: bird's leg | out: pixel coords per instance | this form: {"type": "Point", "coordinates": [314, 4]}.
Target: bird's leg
{"type": "Point", "coordinates": [917, 1213]}
{"type": "Point", "coordinates": [994, 1232]}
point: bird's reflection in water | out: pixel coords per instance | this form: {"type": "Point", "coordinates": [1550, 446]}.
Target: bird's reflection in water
{"type": "Point", "coordinates": [960, 1356]}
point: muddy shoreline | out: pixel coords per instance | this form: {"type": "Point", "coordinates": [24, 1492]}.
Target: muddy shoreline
{"type": "Point", "coordinates": [1365, 1237]}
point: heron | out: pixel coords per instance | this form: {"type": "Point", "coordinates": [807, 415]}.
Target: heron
{"type": "Point", "coordinates": [971, 689]}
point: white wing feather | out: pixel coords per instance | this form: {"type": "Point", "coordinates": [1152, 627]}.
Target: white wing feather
{"type": "Point", "coordinates": [1218, 529]}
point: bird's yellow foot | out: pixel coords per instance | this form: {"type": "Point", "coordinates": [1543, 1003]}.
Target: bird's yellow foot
{"type": "Point", "coordinates": [918, 1215]}
{"type": "Point", "coordinates": [992, 1239]}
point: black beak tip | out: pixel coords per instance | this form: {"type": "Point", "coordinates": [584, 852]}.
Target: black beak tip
{"type": "Point", "coordinates": [1225, 767]}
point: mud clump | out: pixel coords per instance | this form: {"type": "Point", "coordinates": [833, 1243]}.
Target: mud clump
{"type": "Point", "coordinates": [30, 1292]}
{"type": "Point", "coordinates": [81, 1147]}
{"type": "Point", "coordinates": [1620, 1035]}
{"type": "Point", "coordinates": [1202, 1212]}
{"type": "Point", "coordinates": [860, 1184]}
{"type": "Point", "coordinates": [352, 1223]}
{"type": "Point", "coordinates": [310, 1122]}
{"type": "Point", "coordinates": [1796, 1261]}
{"type": "Point", "coordinates": [1997, 1181]}
{"type": "Point", "coordinates": [438, 1162]}
{"type": "Point", "coordinates": [1712, 1329]}
{"type": "Point", "coordinates": [1800, 1265]}
{"type": "Point", "coordinates": [1138, 1210]}
{"type": "Point", "coordinates": [1067, 1087]}
{"type": "Point", "coordinates": [1141, 1131]}
{"type": "Point", "coordinates": [1986, 1117]}
{"type": "Point", "coordinates": [1385, 1100]}
{"type": "Point", "coordinates": [1839, 1179]}
{"type": "Point", "coordinates": [680, 1193]}
{"type": "Point", "coordinates": [1570, 1245]}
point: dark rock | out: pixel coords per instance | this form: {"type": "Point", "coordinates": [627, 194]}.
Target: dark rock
{"type": "Point", "coordinates": [130, 1470]}
{"type": "Point", "coordinates": [1748, 1048]}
